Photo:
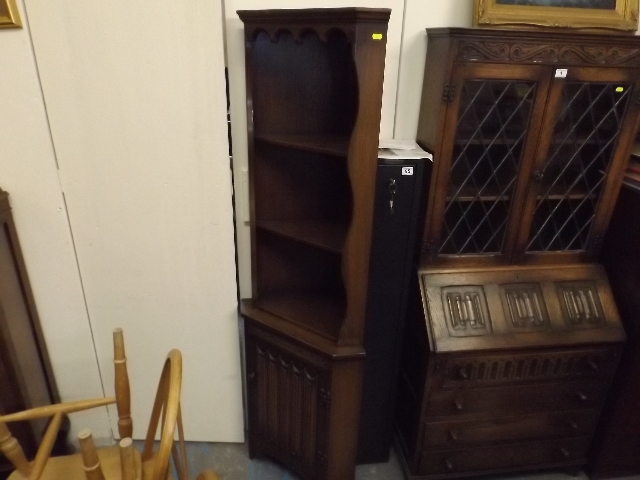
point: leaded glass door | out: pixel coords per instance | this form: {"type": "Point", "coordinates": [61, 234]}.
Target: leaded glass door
{"type": "Point", "coordinates": [487, 150]}
{"type": "Point", "coordinates": [581, 153]}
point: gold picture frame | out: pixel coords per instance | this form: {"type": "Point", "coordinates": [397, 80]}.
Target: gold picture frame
{"type": "Point", "coordinates": [497, 13]}
{"type": "Point", "coordinates": [9, 15]}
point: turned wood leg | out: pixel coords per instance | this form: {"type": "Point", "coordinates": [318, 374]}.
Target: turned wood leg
{"type": "Point", "coordinates": [11, 449]}
{"type": "Point", "coordinates": [123, 391]}
{"type": "Point", "coordinates": [127, 460]}
{"type": "Point", "coordinates": [90, 460]}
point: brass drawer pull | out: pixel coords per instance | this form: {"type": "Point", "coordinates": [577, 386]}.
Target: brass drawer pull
{"type": "Point", "coordinates": [458, 404]}
{"type": "Point", "coordinates": [574, 425]}
{"type": "Point", "coordinates": [565, 452]}
{"type": "Point", "coordinates": [582, 397]}
{"type": "Point", "coordinates": [592, 365]}
{"type": "Point", "coordinates": [453, 435]}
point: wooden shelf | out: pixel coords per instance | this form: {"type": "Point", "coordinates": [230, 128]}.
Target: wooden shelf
{"type": "Point", "coordinates": [470, 195]}
{"type": "Point", "coordinates": [327, 144]}
{"type": "Point", "coordinates": [319, 313]}
{"type": "Point", "coordinates": [322, 234]}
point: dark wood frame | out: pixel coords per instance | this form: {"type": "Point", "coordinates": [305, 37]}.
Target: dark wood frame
{"type": "Point", "coordinates": [24, 358]}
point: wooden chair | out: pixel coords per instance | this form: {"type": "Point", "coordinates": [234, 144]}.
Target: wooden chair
{"type": "Point", "coordinates": [111, 463]}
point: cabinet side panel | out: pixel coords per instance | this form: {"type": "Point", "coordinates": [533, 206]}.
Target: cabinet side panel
{"type": "Point", "coordinates": [617, 440]}
{"type": "Point", "coordinates": [344, 419]}
{"type": "Point", "coordinates": [369, 56]}
{"type": "Point", "coordinates": [432, 106]}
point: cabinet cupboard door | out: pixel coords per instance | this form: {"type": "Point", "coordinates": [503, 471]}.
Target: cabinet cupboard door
{"type": "Point", "coordinates": [491, 128]}
{"type": "Point", "coordinates": [587, 130]}
{"type": "Point", "coordinates": [288, 402]}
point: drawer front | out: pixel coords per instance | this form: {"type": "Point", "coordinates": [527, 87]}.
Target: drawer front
{"type": "Point", "coordinates": [493, 458]}
{"type": "Point", "coordinates": [517, 399]}
{"type": "Point", "coordinates": [496, 370]}
{"type": "Point", "coordinates": [509, 429]}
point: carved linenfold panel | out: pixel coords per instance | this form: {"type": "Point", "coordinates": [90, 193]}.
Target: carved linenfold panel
{"type": "Point", "coordinates": [526, 368]}
{"type": "Point", "coordinates": [580, 304]}
{"type": "Point", "coordinates": [289, 404]}
{"type": "Point", "coordinates": [492, 51]}
{"type": "Point", "coordinates": [466, 311]}
{"type": "Point", "coordinates": [307, 355]}
{"type": "Point", "coordinates": [524, 307]}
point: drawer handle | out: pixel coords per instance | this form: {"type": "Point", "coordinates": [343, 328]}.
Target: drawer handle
{"type": "Point", "coordinates": [449, 464]}
{"type": "Point", "coordinates": [458, 404]}
{"type": "Point", "coordinates": [453, 435]}
{"type": "Point", "coordinates": [565, 452]}
{"type": "Point", "coordinates": [592, 365]}
{"type": "Point", "coordinates": [463, 373]}
{"type": "Point", "coordinates": [582, 397]}
{"type": "Point", "coordinates": [574, 425]}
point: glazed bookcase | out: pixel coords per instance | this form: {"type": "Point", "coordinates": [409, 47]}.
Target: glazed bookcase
{"type": "Point", "coordinates": [514, 334]}
{"type": "Point", "coordinates": [314, 90]}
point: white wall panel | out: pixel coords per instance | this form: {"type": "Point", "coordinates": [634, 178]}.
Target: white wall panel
{"type": "Point", "coordinates": [419, 15]}
{"type": "Point", "coordinates": [28, 172]}
{"type": "Point", "coordinates": [136, 101]}
{"type": "Point", "coordinates": [235, 63]}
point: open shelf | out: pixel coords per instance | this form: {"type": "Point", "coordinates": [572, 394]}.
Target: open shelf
{"type": "Point", "coordinates": [327, 144]}
{"type": "Point", "coordinates": [470, 194]}
{"type": "Point", "coordinates": [317, 312]}
{"type": "Point", "coordinates": [317, 233]}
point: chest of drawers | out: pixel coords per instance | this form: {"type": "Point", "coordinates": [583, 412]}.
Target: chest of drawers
{"type": "Point", "coordinates": [505, 369]}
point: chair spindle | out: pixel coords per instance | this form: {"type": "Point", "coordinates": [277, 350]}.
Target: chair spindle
{"type": "Point", "coordinates": [123, 390]}
{"type": "Point", "coordinates": [11, 449]}
{"type": "Point", "coordinates": [90, 460]}
{"type": "Point", "coordinates": [127, 459]}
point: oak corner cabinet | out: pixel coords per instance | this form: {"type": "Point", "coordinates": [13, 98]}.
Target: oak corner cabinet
{"type": "Point", "coordinates": [513, 335]}
{"type": "Point", "coordinates": [314, 95]}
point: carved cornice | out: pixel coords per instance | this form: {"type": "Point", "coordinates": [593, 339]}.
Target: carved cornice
{"type": "Point", "coordinates": [537, 53]}
{"type": "Point", "coordinates": [323, 32]}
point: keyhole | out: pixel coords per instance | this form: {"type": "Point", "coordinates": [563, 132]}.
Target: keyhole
{"type": "Point", "coordinates": [392, 191]}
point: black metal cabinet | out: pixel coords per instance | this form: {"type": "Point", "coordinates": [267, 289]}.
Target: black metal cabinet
{"type": "Point", "coordinates": [392, 253]}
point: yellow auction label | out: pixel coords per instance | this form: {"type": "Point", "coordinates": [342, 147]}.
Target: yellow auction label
{"type": "Point", "coordinates": [619, 89]}
{"type": "Point", "coordinates": [376, 36]}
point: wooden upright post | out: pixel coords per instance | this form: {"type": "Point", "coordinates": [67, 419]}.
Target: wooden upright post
{"type": "Point", "coordinates": [123, 392]}
{"type": "Point", "coordinates": [11, 449]}
{"type": "Point", "coordinates": [90, 460]}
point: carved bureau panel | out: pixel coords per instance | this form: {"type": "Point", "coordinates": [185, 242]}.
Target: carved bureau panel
{"type": "Point", "coordinates": [493, 370]}
{"type": "Point", "coordinates": [466, 311]}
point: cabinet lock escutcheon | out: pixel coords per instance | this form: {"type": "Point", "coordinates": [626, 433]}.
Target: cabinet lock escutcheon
{"type": "Point", "coordinates": [538, 175]}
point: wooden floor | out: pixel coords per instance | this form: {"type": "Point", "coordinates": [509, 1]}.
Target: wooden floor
{"type": "Point", "coordinates": [232, 463]}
